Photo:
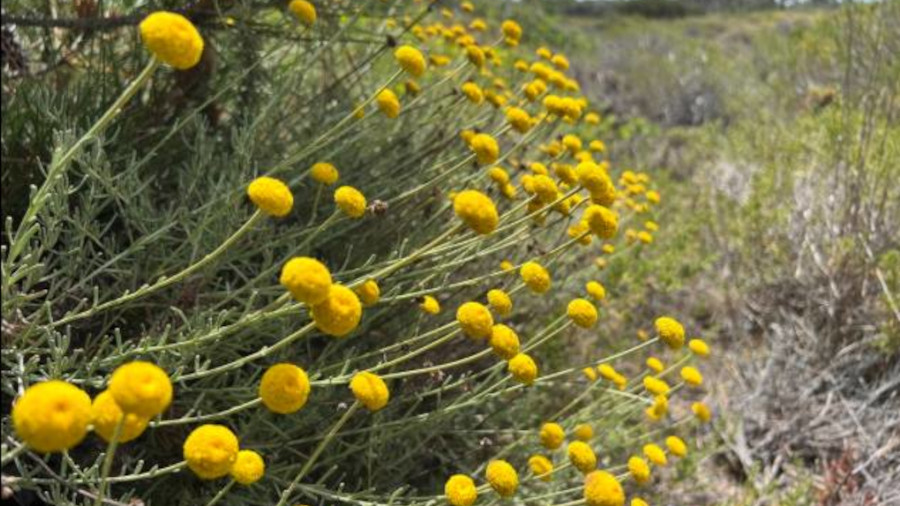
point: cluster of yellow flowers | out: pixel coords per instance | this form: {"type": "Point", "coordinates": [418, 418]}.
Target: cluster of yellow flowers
{"type": "Point", "coordinates": [536, 168]}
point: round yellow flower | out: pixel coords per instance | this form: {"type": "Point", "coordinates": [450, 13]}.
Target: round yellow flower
{"type": "Point", "coordinates": [552, 435]}
{"type": "Point", "coordinates": [368, 292]}
{"type": "Point", "coordinates": [271, 196]}
{"type": "Point", "coordinates": [656, 386]}
{"type": "Point", "coordinates": [655, 365]}
{"type": "Point", "coordinates": [430, 305]}
{"type": "Point", "coordinates": [670, 331]}
{"type": "Point", "coordinates": [305, 11]}
{"type": "Point", "coordinates": [603, 222]}
{"type": "Point", "coordinates": [477, 210]}
{"type": "Point", "coordinates": [503, 477]}
{"type": "Point", "coordinates": [475, 320]}
{"type": "Point", "coordinates": [411, 60]}
{"type": "Point", "coordinates": [500, 302]}
{"type": "Point", "coordinates": [691, 376]}
{"type": "Point", "coordinates": [699, 347]}
{"type": "Point", "coordinates": [307, 279]}
{"type": "Point", "coordinates": [595, 290]}
{"type": "Point", "coordinates": [596, 145]}
{"type": "Point", "coordinates": [541, 466]}
{"type": "Point", "coordinates": [504, 341]}
{"type": "Point", "coordinates": [518, 119]}
{"type": "Point", "coordinates": [141, 388]}
{"type": "Point", "coordinates": [460, 490]}
{"type": "Point", "coordinates": [105, 416]}
{"type": "Point", "coordinates": [172, 38]}
{"type": "Point", "coordinates": [350, 201]}
{"type": "Point", "coordinates": [486, 149]}
{"type": "Point", "coordinates": [701, 411]}
{"type": "Point", "coordinates": [597, 182]}
{"type": "Point", "coordinates": [639, 470]}
{"type": "Point", "coordinates": [472, 92]}
{"type": "Point", "coordinates": [475, 55]}
{"type": "Point", "coordinates": [637, 501]}
{"type": "Point", "coordinates": [582, 456]}
{"type": "Point", "coordinates": [676, 446]}
{"type": "Point", "coordinates": [645, 237]}
{"type": "Point", "coordinates": [52, 416]}
{"type": "Point", "coordinates": [284, 388]}
{"type": "Point", "coordinates": [324, 172]}
{"type": "Point", "coordinates": [560, 62]}
{"type": "Point", "coordinates": [545, 190]}
{"type": "Point", "coordinates": [248, 467]}
{"type": "Point", "coordinates": [535, 277]}
{"type": "Point", "coordinates": [370, 390]}
{"type": "Point", "coordinates": [655, 454]}
{"type": "Point", "coordinates": [507, 266]}
{"type": "Point", "coordinates": [339, 313]}
{"type": "Point", "coordinates": [583, 431]}
{"type": "Point", "coordinates": [590, 373]}
{"type": "Point", "coordinates": [523, 368]}
{"type": "Point", "coordinates": [582, 313]}
{"type": "Point", "coordinates": [388, 103]}
{"type": "Point", "coordinates": [211, 451]}
{"type": "Point", "coordinates": [603, 489]}
{"type": "Point", "coordinates": [658, 409]}
{"type": "Point", "coordinates": [499, 176]}
{"type": "Point", "coordinates": [511, 29]}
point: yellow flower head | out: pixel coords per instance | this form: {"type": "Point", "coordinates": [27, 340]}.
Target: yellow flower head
{"type": "Point", "coordinates": [603, 222]}
{"type": "Point", "coordinates": [603, 489]}
{"type": "Point", "coordinates": [172, 38]}
{"type": "Point", "coordinates": [699, 347]}
{"type": "Point", "coordinates": [248, 468]}
{"type": "Point", "coordinates": [284, 388]}
{"type": "Point", "coordinates": [545, 189]}
{"type": "Point", "coordinates": [368, 292]}
{"type": "Point", "coordinates": [430, 305]}
{"type": "Point", "coordinates": [52, 416]}
{"type": "Point", "coordinates": [324, 172]}
{"type": "Point", "coordinates": [639, 470]}
{"type": "Point", "coordinates": [655, 365]}
{"type": "Point", "coordinates": [701, 411]}
{"type": "Point", "coordinates": [511, 30]}
{"type": "Point", "coordinates": [211, 451]}
{"type": "Point", "coordinates": [595, 290]}
{"type": "Point", "coordinates": [560, 62]}
{"type": "Point", "coordinates": [503, 477]}
{"type": "Point", "coordinates": [350, 201]}
{"type": "Point", "coordinates": [477, 210]}
{"type": "Point", "coordinates": [590, 373]}
{"type": "Point", "coordinates": [572, 143]}
{"type": "Point", "coordinates": [460, 490]}
{"type": "Point", "coordinates": [691, 376]}
{"type": "Point", "coordinates": [523, 368]}
{"type": "Point", "coordinates": [656, 386]}
{"type": "Point", "coordinates": [475, 55]}
{"type": "Point", "coordinates": [475, 320]}
{"type": "Point", "coordinates": [670, 331]}
{"type": "Point", "coordinates": [535, 277]}
{"type": "Point", "coordinates": [500, 301]}
{"type": "Point", "coordinates": [271, 196]}
{"type": "Point", "coordinates": [504, 341]}
{"type": "Point", "coordinates": [339, 313]}
{"type": "Point", "coordinates": [467, 6]}
{"type": "Point", "coordinates": [676, 445]}
{"type": "Point", "coordinates": [541, 466]}
{"type": "Point", "coordinates": [597, 182]}
{"type": "Point", "coordinates": [582, 313]}
{"type": "Point", "coordinates": [498, 175]}
{"type": "Point", "coordinates": [507, 266]}
{"type": "Point", "coordinates": [596, 145]}
{"type": "Point", "coordinates": [486, 149]}
{"type": "Point", "coordinates": [582, 456]}
{"type": "Point", "coordinates": [584, 431]}
{"type": "Point", "coordinates": [637, 501]}
{"type": "Point", "coordinates": [518, 119]}
{"type": "Point", "coordinates": [388, 103]}
{"type": "Point", "coordinates": [652, 196]}
{"type": "Point", "coordinates": [472, 92]}
{"type": "Point", "coordinates": [552, 435]}
{"type": "Point", "coordinates": [659, 408]}
{"type": "Point", "coordinates": [370, 390]}
{"type": "Point", "coordinates": [141, 388]}
{"type": "Point", "coordinates": [105, 416]}
{"type": "Point", "coordinates": [651, 226]}
{"type": "Point", "coordinates": [411, 60]}
{"type": "Point", "coordinates": [305, 11]}
{"type": "Point", "coordinates": [655, 454]}
{"type": "Point", "coordinates": [645, 237]}
{"type": "Point", "coordinates": [307, 279]}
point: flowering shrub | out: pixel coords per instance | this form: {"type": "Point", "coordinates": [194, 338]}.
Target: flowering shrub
{"type": "Point", "coordinates": [230, 336]}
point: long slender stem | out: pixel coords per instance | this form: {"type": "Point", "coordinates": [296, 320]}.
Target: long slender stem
{"type": "Point", "coordinates": [108, 460]}
{"type": "Point", "coordinates": [222, 493]}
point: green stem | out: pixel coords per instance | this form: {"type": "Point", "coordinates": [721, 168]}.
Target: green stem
{"type": "Point", "coordinates": [318, 451]}
{"type": "Point", "coordinates": [108, 460]}
{"type": "Point", "coordinates": [222, 493]}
